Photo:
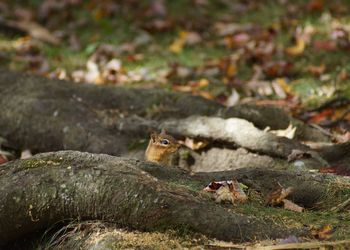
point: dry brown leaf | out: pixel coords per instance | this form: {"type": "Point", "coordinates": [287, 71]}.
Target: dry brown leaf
{"type": "Point", "coordinates": [315, 5]}
{"type": "Point", "coordinates": [277, 196]}
{"type": "Point", "coordinates": [277, 68]}
{"type": "Point", "coordinates": [316, 70]}
{"type": "Point", "coordinates": [237, 192]}
{"type": "Point", "coordinates": [230, 191]}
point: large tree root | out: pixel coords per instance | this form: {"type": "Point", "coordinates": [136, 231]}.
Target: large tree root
{"type": "Point", "coordinates": [52, 187]}
{"type": "Point", "coordinates": [49, 115]}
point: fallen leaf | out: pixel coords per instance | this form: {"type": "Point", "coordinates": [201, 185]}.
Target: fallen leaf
{"type": "Point", "coordinates": [58, 73]}
{"type": "Point", "coordinates": [25, 154]}
{"type": "Point", "coordinates": [224, 29]}
{"type": "Point", "coordinates": [327, 45]}
{"type": "Point", "coordinates": [237, 191]}
{"type": "Point", "coordinates": [233, 99]}
{"type": "Point", "coordinates": [275, 69]}
{"type": "Point", "coordinates": [230, 191]}
{"type": "Point", "coordinates": [178, 44]}
{"type": "Point", "coordinates": [324, 233]}
{"type": "Point", "coordinates": [205, 94]}
{"type": "Point", "coordinates": [316, 70]}
{"type": "Point", "coordinates": [195, 144]}
{"type": "Point", "coordinates": [3, 159]}
{"type": "Point", "coordinates": [277, 196]}
{"type": "Point", "coordinates": [343, 170]}
{"type": "Point", "coordinates": [289, 132]}
{"type": "Point", "coordinates": [231, 70]}
{"type": "Point", "coordinates": [93, 74]}
{"type": "Point", "coordinates": [315, 5]}
{"type": "Point", "coordinates": [297, 49]}
{"type": "Point", "coordinates": [279, 91]}
{"type": "Point", "coordinates": [321, 116]}
{"type": "Point", "coordinates": [182, 88]}
{"type": "Point", "coordinates": [200, 84]}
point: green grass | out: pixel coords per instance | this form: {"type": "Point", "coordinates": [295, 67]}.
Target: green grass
{"type": "Point", "coordinates": [311, 219]}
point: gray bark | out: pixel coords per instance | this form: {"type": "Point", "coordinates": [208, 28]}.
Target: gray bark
{"type": "Point", "coordinates": [53, 187]}
{"type": "Point", "coordinates": [48, 115]}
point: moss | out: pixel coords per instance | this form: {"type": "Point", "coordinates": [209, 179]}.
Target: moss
{"type": "Point", "coordinates": [309, 218]}
{"type": "Point", "coordinates": [37, 163]}
{"type": "Point", "coordinates": [190, 185]}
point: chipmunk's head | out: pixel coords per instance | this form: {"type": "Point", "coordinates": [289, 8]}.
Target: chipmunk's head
{"type": "Point", "coordinates": [161, 148]}
{"type": "Point", "coordinates": [164, 142]}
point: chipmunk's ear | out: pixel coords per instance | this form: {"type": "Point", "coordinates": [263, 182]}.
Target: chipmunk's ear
{"type": "Point", "coordinates": [163, 132]}
{"type": "Point", "coordinates": [154, 136]}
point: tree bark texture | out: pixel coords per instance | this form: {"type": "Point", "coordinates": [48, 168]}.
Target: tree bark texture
{"type": "Point", "coordinates": [53, 187]}
{"type": "Point", "coordinates": [49, 115]}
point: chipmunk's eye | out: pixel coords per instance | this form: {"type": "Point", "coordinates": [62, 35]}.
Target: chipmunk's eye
{"type": "Point", "coordinates": [164, 142]}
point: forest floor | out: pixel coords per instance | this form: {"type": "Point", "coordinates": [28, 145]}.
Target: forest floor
{"type": "Point", "coordinates": [292, 54]}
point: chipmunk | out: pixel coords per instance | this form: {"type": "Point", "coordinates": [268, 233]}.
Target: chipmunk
{"type": "Point", "coordinates": [161, 148]}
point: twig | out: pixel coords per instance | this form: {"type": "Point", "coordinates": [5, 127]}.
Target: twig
{"type": "Point", "coordinates": [340, 206]}
{"type": "Point", "coordinates": [322, 130]}
{"type": "Point", "coordinates": [304, 245]}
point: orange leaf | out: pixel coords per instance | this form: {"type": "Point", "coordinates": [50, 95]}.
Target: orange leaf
{"type": "Point", "coordinates": [323, 233]}
{"type": "Point", "coordinates": [231, 70]}
{"type": "Point", "coordinates": [321, 116]}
